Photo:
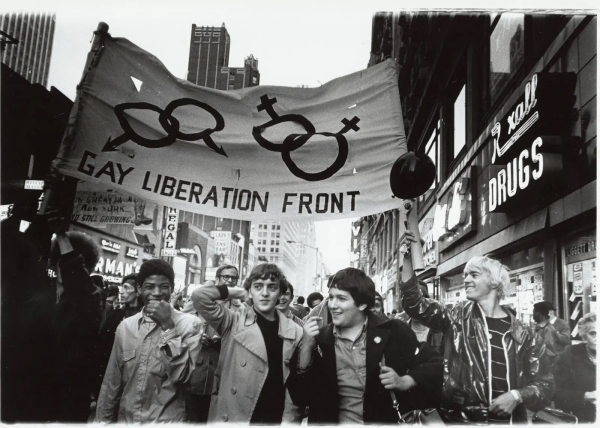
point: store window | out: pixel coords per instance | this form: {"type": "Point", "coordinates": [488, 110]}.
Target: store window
{"type": "Point", "coordinates": [507, 51]}
{"type": "Point", "coordinates": [454, 116]}
{"type": "Point", "coordinates": [526, 285]}
{"type": "Point", "coordinates": [432, 149]}
{"type": "Point", "coordinates": [579, 273]}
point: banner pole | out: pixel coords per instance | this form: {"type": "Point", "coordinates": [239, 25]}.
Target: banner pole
{"type": "Point", "coordinates": [55, 184]}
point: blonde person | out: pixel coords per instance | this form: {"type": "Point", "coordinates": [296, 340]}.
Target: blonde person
{"type": "Point", "coordinates": [495, 366]}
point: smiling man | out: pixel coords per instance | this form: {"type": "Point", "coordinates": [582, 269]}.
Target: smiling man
{"type": "Point", "coordinates": [495, 366]}
{"type": "Point", "coordinates": [257, 348]}
{"type": "Point", "coordinates": [285, 301]}
{"type": "Point", "coordinates": [360, 357]}
{"type": "Point", "coordinates": [153, 356]}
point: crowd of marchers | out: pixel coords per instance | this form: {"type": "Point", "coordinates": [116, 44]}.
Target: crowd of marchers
{"type": "Point", "coordinates": [243, 353]}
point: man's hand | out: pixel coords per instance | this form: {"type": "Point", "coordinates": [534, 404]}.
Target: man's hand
{"type": "Point", "coordinates": [590, 396]}
{"type": "Point", "coordinates": [390, 380]}
{"type": "Point", "coordinates": [407, 238]}
{"type": "Point", "coordinates": [161, 312]}
{"type": "Point", "coordinates": [311, 331]}
{"type": "Point", "coordinates": [207, 342]}
{"type": "Point", "coordinates": [504, 405]}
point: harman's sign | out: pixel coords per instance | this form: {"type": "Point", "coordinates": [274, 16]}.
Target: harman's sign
{"type": "Point", "coordinates": [527, 142]}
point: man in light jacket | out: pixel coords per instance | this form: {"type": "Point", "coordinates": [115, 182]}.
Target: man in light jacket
{"type": "Point", "coordinates": [259, 348]}
{"type": "Point", "coordinates": [153, 356]}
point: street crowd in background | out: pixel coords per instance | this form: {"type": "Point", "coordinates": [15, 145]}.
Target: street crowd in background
{"type": "Point", "coordinates": [77, 350]}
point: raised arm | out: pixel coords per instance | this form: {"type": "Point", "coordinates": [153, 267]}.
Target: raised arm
{"type": "Point", "coordinates": [217, 316]}
{"type": "Point", "coordinates": [428, 312]}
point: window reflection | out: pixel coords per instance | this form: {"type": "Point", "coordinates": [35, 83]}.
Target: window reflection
{"type": "Point", "coordinates": [507, 51]}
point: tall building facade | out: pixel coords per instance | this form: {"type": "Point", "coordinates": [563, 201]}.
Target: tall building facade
{"type": "Point", "coordinates": [209, 242]}
{"type": "Point", "coordinates": [505, 106]}
{"type": "Point", "coordinates": [209, 52]}
{"type": "Point", "coordinates": [292, 246]}
{"type": "Point", "coordinates": [27, 44]}
{"type": "Point", "coordinates": [232, 78]}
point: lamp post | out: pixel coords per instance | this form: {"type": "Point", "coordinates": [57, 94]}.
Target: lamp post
{"type": "Point", "coordinates": [317, 285]}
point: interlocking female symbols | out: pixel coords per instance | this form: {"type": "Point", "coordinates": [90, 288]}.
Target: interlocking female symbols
{"type": "Point", "coordinates": [295, 141]}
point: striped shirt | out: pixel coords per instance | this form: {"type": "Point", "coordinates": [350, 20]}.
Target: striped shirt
{"type": "Point", "coordinates": [497, 327]}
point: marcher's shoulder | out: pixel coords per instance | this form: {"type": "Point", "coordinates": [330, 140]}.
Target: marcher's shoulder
{"type": "Point", "coordinates": [396, 326]}
{"type": "Point", "coordinates": [186, 320]}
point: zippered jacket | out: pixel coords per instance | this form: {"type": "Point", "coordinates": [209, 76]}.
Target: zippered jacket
{"type": "Point", "coordinates": [467, 356]}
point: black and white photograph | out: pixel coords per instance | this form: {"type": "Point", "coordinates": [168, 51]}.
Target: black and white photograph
{"type": "Point", "coordinates": [298, 212]}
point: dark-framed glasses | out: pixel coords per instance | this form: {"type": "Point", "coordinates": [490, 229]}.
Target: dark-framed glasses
{"type": "Point", "coordinates": [229, 278]}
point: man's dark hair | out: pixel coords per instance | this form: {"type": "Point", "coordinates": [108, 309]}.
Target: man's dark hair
{"type": "Point", "coordinates": [266, 271]}
{"type": "Point", "coordinates": [378, 296]}
{"type": "Point", "coordinates": [224, 267]}
{"type": "Point", "coordinates": [300, 300]}
{"type": "Point", "coordinates": [357, 283]}
{"type": "Point", "coordinates": [394, 311]}
{"type": "Point", "coordinates": [112, 291]}
{"type": "Point", "coordinates": [288, 286]}
{"type": "Point", "coordinates": [312, 297]}
{"type": "Point", "coordinates": [128, 277]}
{"type": "Point", "coordinates": [543, 308]}
{"type": "Point", "coordinates": [155, 267]}
{"type": "Point", "coordinates": [82, 244]}
{"type": "Point", "coordinates": [98, 281]}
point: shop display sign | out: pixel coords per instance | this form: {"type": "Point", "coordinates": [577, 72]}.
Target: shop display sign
{"type": "Point", "coordinates": [170, 240]}
{"type": "Point", "coordinates": [392, 274]}
{"type": "Point", "coordinates": [132, 252]}
{"type": "Point", "coordinates": [455, 212]}
{"type": "Point", "coordinates": [108, 245]}
{"type": "Point", "coordinates": [114, 270]}
{"type": "Point", "coordinates": [430, 246]}
{"type": "Point", "coordinates": [527, 142]}
{"type": "Point", "coordinates": [186, 251]}
{"type": "Point", "coordinates": [581, 247]}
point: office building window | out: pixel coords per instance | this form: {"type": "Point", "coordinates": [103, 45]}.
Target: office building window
{"type": "Point", "coordinates": [460, 122]}
{"type": "Point", "coordinates": [507, 51]}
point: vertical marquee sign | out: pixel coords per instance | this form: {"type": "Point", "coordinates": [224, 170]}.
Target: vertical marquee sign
{"type": "Point", "coordinates": [170, 241]}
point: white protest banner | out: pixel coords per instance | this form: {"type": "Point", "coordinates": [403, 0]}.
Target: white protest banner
{"type": "Point", "coordinates": [258, 153]}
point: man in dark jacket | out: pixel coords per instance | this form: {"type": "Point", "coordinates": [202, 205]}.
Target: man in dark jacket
{"type": "Point", "coordinates": [361, 357]}
{"type": "Point", "coordinates": [562, 336]}
{"type": "Point", "coordinates": [78, 315]}
{"type": "Point", "coordinates": [494, 365]}
{"type": "Point", "coordinates": [131, 306]}
{"type": "Point", "coordinates": [576, 374]}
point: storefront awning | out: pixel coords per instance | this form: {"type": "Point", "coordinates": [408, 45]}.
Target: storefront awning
{"type": "Point", "coordinates": [525, 227]}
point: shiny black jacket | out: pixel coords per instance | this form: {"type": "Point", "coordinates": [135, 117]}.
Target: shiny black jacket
{"type": "Point", "coordinates": [467, 356]}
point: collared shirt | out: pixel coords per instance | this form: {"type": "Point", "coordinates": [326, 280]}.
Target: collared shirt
{"type": "Point", "coordinates": [147, 369]}
{"type": "Point", "coordinates": [351, 364]}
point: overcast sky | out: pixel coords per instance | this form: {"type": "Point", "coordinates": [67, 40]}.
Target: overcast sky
{"type": "Point", "coordinates": [304, 42]}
